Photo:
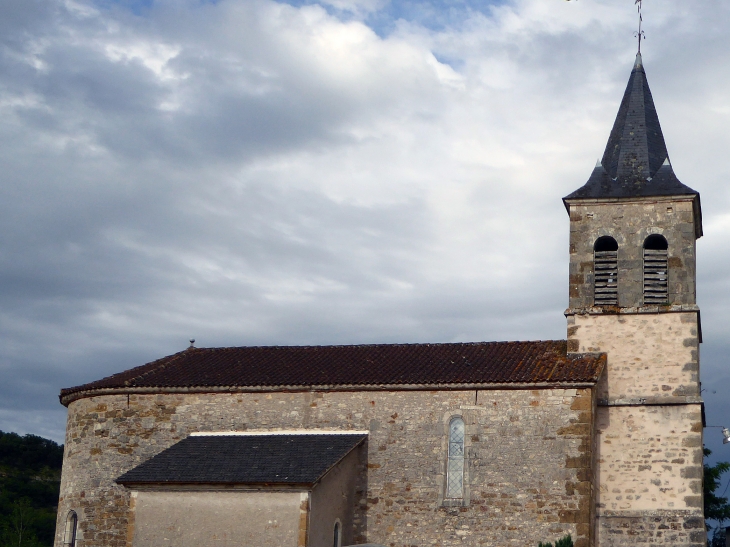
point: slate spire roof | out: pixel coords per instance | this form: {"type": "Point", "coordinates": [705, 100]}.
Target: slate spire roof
{"type": "Point", "coordinates": [635, 162]}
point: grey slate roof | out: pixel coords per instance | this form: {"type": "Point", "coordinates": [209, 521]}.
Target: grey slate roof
{"type": "Point", "coordinates": [287, 459]}
{"type": "Point", "coordinates": [635, 162]}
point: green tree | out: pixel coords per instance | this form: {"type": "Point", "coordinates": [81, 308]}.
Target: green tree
{"type": "Point", "coordinates": [30, 472]}
{"type": "Point", "coordinates": [19, 525]}
{"type": "Point", "coordinates": [717, 508]}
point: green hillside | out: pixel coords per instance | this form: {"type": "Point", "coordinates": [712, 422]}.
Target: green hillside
{"type": "Point", "coordinates": [30, 477]}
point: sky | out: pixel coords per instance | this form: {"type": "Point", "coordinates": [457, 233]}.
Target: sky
{"type": "Point", "coordinates": [254, 172]}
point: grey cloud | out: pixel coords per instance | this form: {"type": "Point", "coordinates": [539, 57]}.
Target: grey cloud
{"type": "Point", "coordinates": [284, 196]}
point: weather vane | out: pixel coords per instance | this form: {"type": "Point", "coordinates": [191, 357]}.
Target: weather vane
{"type": "Point", "coordinates": [639, 34]}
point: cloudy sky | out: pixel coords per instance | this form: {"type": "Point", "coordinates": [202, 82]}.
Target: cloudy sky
{"type": "Point", "coordinates": [347, 171]}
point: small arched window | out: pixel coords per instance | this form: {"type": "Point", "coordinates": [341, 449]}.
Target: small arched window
{"type": "Point", "coordinates": [655, 269]}
{"type": "Point", "coordinates": [605, 268]}
{"type": "Point", "coordinates": [455, 464]}
{"type": "Point", "coordinates": [69, 536]}
{"type": "Point", "coordinates": [337, 534]}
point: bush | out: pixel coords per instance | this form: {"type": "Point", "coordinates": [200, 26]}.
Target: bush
{"type": "Point", "coordinates": [567, 541]}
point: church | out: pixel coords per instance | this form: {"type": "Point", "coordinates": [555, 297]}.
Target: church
{"type": "Point", "coordinates": [598, 436]}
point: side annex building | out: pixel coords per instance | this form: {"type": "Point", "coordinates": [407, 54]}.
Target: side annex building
{"type": "Point", "coordinates": [472, 444]}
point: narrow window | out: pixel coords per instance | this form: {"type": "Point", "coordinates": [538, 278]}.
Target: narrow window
{"type": "Point", "coordinates": [69, 538]}
{"type": "Point", "coordinates": [655, 270]}
{"type": "Point", "coordinates": [605, 267]}
{"type": "Point", "coordinates": [455, 465]}
{"type": "Point", "coordinates": [336, 541]}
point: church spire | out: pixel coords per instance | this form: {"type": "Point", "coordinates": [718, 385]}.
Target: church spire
{"type": "Point", "coordinates": [636, 148]}
{"type": "Point", "coordinates": [635, 162]}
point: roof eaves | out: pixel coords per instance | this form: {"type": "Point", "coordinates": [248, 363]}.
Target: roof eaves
{"type": "Point", "coordinates": [137, 390]}
{"type": "Point", "coordinates": [163, 363]}
{"type": "Point", "coordinates": [206, 486]}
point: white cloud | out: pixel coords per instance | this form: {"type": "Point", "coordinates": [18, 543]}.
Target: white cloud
{"type": "Point", "coordinates": [153, 56]}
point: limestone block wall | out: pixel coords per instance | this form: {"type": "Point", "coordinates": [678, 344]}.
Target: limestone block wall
{"type": "Point", "coordinates": [529, 454]}
{"type": "Point", "coordinates": [650, 355]}
{"type": "Point", "coordinates": [630, 223]}
{"type": "Point", "coordinates": [649, 426]}
{"type": "Point", "coordinates": [650, 476]}
{"type": "Point", "coordinates": [650, 458]}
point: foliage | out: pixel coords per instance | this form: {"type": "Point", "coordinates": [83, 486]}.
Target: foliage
{"type": "Point", "coordinates": [718, 538]}
{"type": "Point", "coordinates": [716, 507]}
{"type": "Point", "coordinates": [567, 541]}
{"type": "Point", "coordinates": [30, 473]}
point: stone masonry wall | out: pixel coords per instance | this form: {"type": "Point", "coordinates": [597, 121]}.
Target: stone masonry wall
{"type": "Point", "coordinates": [650, 458]}
{"type": "Point", "coordinates": [333, 499]}
{"type": "Point", "coordinates": [650, 355]}
{"type": "Point", "coordinates": [657, 528]}
{"type": "Point", "coordinates": [221, 518]}
{"type": "Point", "coordinates": [630, 223]}
{"type": "Point", "coordinates": [649, 475]}
{"type": "Point", "coordinates": [529, 457]}
{"type": "Point", "coordinates": [649, 426]}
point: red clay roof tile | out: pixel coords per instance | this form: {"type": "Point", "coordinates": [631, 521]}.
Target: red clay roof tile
{"type": "Point", "coordinates": [377, 365]}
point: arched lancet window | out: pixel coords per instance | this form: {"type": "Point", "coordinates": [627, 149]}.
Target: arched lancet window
{"type": "Point", "coordinates": [605, 268]}
{"type": "Point", "coordinates": [455, 465]}
{"type": "Point", "coordinates": [69, 536]}
{"type": "Point", "coordinates": [337, 534]}
{"type": "Point", "coordinates": [655, 269]}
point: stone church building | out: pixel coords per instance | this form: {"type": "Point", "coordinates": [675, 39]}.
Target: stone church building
{"type": "Point", "coordinates": [467, 444]}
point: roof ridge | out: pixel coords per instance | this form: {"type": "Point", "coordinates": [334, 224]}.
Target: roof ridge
{"type": "Point", "coordinates": [342, 457]}
{"type": "Point", "coordinates": [149, 367]}
{"type": "Point", "coordinates": [373, 345]}
{"type": "Point", "coordinates": [164, 362]}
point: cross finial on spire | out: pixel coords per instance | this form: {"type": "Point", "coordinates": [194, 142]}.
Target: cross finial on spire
{"type": "Point", "coordinates": [639, 34]}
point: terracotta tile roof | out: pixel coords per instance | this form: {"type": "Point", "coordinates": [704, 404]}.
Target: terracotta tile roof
{"type": "Point", "coordinates": [245, 459]}
{"type": "Point", "coordinates": [366, 366]}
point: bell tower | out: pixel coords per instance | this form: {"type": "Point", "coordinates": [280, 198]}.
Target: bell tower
{"type": "Point", "coordinates": [633, 228]}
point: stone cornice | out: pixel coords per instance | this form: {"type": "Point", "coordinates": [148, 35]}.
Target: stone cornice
{"type": "Point", "coordinates": [75, 396]}
{"type": "Point", "coordinates": [653, 401]}
{"type": "Point", "coordinates": [634, 310]}
{"type": "Point", "coordinates": [633, 199]}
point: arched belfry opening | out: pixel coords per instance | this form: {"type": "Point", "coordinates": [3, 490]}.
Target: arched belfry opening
{"type": "Point", "coordinates": [655, 269]}
{"type": "Point", "coordinates": [605, 268]}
